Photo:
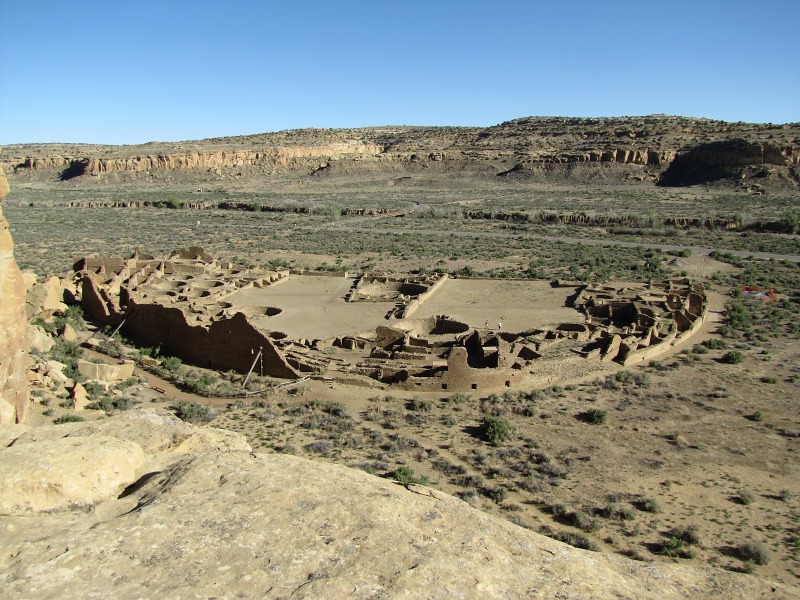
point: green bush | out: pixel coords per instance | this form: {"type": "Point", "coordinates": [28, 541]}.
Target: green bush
{"type": "Point", "coordinates": [650, 505]}
{"type": "Point", "coordinates": [68, 419]}
{"type": "Point", "coordinates": [676, 548]}
{"type": "Point", "coordinates": [496, 430]}
{"type": "Point", "coordinates": [733, 357]}
{"type": "Point", "coordinates": [756, 552]}
{"type": "Point", "coordinates": [594, 416]}
{"type": "Point", "coordinates": [420, 404]}
{"type": "Point", "coordinates": [405, 475]}
{"type": "Point", "coordinates": [192, 412]}
{"type": "Point", "coordinates": [171, 364]}
{"type": "Point", "coordinates": [715, 344]}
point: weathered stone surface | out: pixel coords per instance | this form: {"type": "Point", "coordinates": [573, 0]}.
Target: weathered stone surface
{"type": "Point", "coordinates": [39, 339]}
{"type": "Point", "coordinates": [106, 372]}
{"type": "Point", "coordinates": [67, 333]}
{"type": "Point", "coordinates": [151, 431]}
{"type": "Point", "coordinates": [10, 432]}
{"type": "Point", "coordinates": [13, 326]}
{"type": "Point", "coordinates": [236, 524]}
{"type": "Point", "coordinates": [228, 523]}
{"type": "Point", "coordinates": [80, 397]}
{"type": "Point", "coordinates": [46, 296]}
{"type": "Point", "coordinates": [61, 473]}
{"type": "Point", "coordinates": [211, 438]}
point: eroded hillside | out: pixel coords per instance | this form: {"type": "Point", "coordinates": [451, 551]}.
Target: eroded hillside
{"type": "Point", "coordinates": [634, 148]}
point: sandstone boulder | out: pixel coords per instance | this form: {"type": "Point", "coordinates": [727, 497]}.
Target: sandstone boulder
{"type": "Point", "coordinates": [106, 372]}
{"type": "Point", "coordinates": [212, 438]}
{"type": "Point", "coordinates": [47, 296]}
{"type": "Point", "coordinates": [80, 397]}
{"type": "Point", "coordinates": [68, 333]}
{"type": "Point", "coordinates": [63, 473]}
{"type": "Point", "coordinates": [151, 431]}
{"type": "Point", "coordinates": [39, 339]}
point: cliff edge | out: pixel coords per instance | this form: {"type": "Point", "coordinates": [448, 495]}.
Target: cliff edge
{"type": "Point", "coordinates": [186, 512]}
{"type": "Point", "coordinates": [13, 326]}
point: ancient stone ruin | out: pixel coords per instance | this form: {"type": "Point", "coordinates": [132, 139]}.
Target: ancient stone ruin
{"type": "Point", "coordinates": [185, 304]}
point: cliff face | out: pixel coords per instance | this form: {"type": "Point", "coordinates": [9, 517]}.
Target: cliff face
{"type": "Point", "coordinates": [13, 327]}
{"type": "Point", "coordinates": [530, 146]}
{"type": "Point", "coordinates": [724, 159]}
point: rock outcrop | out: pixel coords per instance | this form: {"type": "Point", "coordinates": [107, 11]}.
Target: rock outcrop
{"type": "Point", "coordinates": [205, 517]}
{"type": "Point", "coordinates": [13, 326]}
{"type": "Point", "coordinates": [635, 148]}
{"type": "Point", "coordinates": [724, 159]}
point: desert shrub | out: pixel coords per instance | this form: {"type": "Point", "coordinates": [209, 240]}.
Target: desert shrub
{"type": "Point", "coordinates": [171, 363]}
{"type": "Point", "coordinates": [631, 378]}
{"type": "Point", "coordinates": [110, 405]}
{"type": "Point", "coordinates": [746, 498]}
{"type": "Point", "coordinates": [458, 398]}
{"type": "Point", "coordinates": [147, 351]}
{"type": "Point", "coordinates": [323, 447]}
{"type": "Point", "coordinates": [756, 552]}
{"type": "Point", "coordinates": [447, 468]}
{"type": "Point", "coordinates": [582, 521]}
{"type": "Point", "coordinates": [420, 404]}
{"type": "Point", "coordinates": [733, 357]}
{"type": "Point", "coordinates": [594, 416]}
{"type": "Point", "coordinates": [337, 409]}
{"type": "Point", "coordinates": [199, 384]}
{"type": "Point", "coordinates": [650, 505]}
{"type": "Point", "coordinates": [67, 353]}
{"type": "Point", "coordinates": [689, 534]}
{"type": "Point", "coordinates": [405, 475]}
{"type": "Point", "coordinates": [574, 539]}
{"type": "Point", "coordinates": [676, 548]}
{"type": "Point", "coordinates": [715, 344]}
{"type": "Point", "coordinates": [496, 430]}
{"type": "Point", "coordinates": [613, 511]}
{"type": "Point", "coordinates": [552, 470]}
{"type": "Point", "coordinates": [191, 412]}
{"type": "Point", "coordinates": [497, 494]}
{"type": "Point", "coordinates": [68, 419]}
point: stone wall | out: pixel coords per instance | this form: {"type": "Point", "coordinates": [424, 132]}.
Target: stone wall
{"type": "Point", "coordinates": [226, 344]}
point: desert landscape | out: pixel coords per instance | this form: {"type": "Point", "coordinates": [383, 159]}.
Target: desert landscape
{"type": "Point", "coordinates": [567, 345]}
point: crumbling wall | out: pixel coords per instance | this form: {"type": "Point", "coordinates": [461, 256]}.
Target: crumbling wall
{"type": "Point", "coordinates": [227, 344]}
{"type": "Point", "coordinates": [414, 304]}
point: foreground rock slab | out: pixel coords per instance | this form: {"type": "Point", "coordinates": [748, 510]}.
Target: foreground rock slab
{"type": "Point", "coordinates": [226, 523]}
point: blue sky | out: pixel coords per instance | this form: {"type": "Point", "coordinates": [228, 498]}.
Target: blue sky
{"type": "Point", "coordinates": [132, 72]}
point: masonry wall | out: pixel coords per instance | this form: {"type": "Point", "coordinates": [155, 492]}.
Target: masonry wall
{"type": "Point", "coordinates": [227, 344]}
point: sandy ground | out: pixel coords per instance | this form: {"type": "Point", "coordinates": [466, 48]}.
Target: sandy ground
{"type": "Point", "coordinates": [523, 305]}
{"type": "Point", "coordinates": [314, 307]}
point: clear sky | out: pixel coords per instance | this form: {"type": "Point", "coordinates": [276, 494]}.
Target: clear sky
{"type": "Point", "coordinates": [169, 70]}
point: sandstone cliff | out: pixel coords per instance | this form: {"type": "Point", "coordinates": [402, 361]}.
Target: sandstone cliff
{"type": "Point", "coordinates": [537, 147]}
{"type": "Point", "coordinates": [147, 506]}
{"type": "Point", "coordinates": [13, 327]}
